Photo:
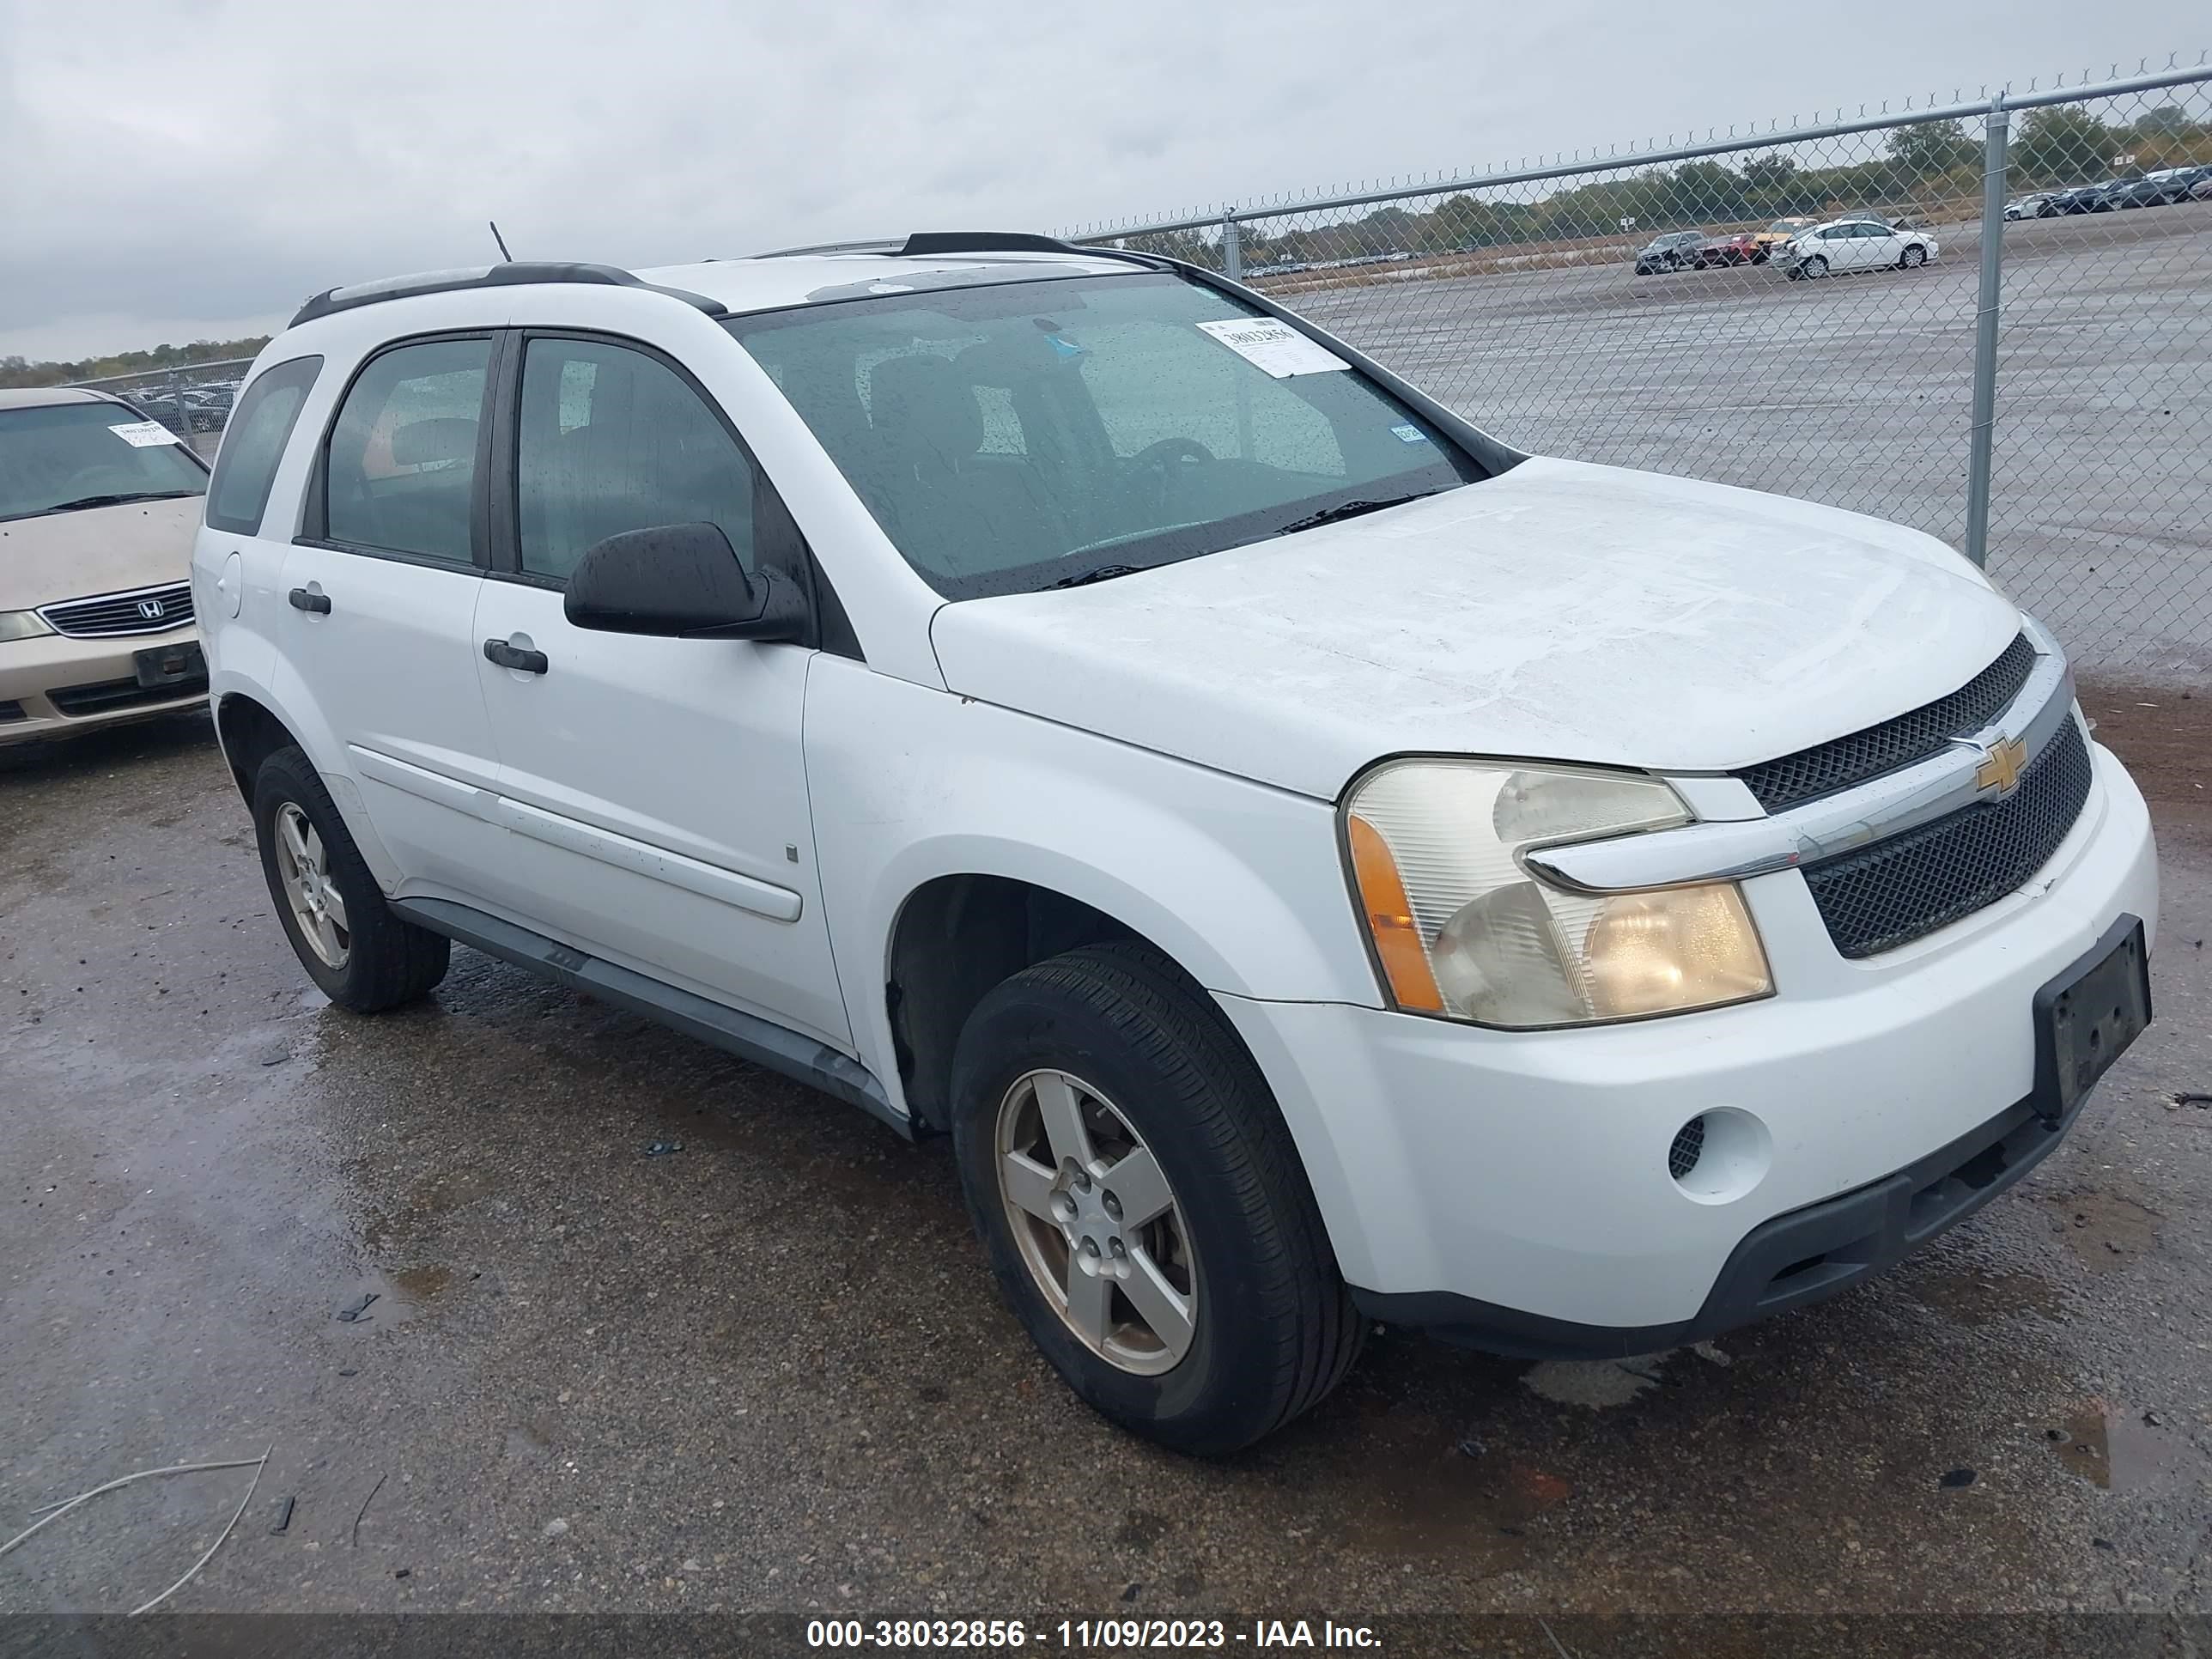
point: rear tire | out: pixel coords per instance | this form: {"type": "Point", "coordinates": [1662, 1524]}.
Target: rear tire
{"type": "Point", "coordinates": [361, 953]}
{"type": "Point", "coordinates": [1263, 1327]}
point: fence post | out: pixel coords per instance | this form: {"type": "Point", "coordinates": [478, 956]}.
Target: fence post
{"type": "Point", "coordinates": [183, 414]}
{"type": "Point", "coordinates": [1233, 252]}
{"type": "Point", "coordinates": [1983, 434]}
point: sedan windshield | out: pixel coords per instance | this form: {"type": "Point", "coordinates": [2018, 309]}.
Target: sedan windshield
{"type": "Point", "coordinates": [1030, 435]}
{"type": "Point", "coordinates": [57, 458]}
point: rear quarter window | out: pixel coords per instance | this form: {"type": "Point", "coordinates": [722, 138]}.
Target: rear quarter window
{"type": "Point", "coordinates": [254, 443]}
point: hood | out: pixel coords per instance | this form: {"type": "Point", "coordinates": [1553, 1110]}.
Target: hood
{"type": "Point", "coordinates": [1558, 612]}
{"type": "Point", "coordinates": [98, 549]}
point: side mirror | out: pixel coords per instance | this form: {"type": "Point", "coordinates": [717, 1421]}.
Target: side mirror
{"type": "Point", "coordinates": [681, 581]}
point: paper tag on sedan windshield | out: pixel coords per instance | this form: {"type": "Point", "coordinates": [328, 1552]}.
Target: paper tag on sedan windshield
{"type": "Point", "coordinates": [143, 434]}
{"type": "Point", "coordinates": [1274, 347]}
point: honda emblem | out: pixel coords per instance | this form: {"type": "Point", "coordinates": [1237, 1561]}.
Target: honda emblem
{"type": "Point", "coordinates": [151, 609]}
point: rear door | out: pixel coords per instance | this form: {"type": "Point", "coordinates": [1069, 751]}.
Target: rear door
{"type": "Point", "coordinates": [379, 595]}
{"type": "Point", "coordinates": [655, 787]}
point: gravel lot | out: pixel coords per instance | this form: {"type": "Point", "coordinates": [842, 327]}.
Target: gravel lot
{"type": "Point", "coordinates": [769, 1371]}
{"type": "Point", "coordinates": [1858, 391]}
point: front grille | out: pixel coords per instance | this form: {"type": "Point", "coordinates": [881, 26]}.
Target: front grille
{"type": "Point", "coordinates": [1896, 890]}
{"type": "Point", "coordinates": [114, 614]}
{"type": "Point", "coordinates": [77, 701]}
{"type": "Point", "coordinates": [1827, 767]}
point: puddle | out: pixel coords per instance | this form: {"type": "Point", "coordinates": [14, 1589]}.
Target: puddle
{"type": "Point", "coordinates": [378, 1301]}
{"type": "Point", "coordinates": [2115, 1449]}
{"type": "Point", "coordinates": [1976, 1298]}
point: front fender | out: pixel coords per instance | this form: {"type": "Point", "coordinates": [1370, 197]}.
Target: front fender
{"type": "Point", "coordinates": [1240, 882]}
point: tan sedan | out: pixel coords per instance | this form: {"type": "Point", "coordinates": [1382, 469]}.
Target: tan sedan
{"type": "Point", "coordinates": [98, 507]}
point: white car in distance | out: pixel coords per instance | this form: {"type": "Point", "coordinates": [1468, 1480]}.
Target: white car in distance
{"type": "Point", "coordinates": [1855, 244]}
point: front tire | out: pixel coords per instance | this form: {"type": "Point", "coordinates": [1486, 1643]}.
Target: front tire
{"type": "Point", "coordinates": [1913, 257]}
{"type": "Point", "coordinates": [361, 954]}
{"type": "Point", "coordinates": [1813, 268]}
{"type": "Point", "coordinates": [1142, 1205]}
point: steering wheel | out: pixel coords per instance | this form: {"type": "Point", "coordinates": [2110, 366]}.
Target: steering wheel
{"type": "Point", "coordinates": [1160, 457]}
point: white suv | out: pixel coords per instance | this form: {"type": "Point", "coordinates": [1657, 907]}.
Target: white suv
{"type": "Point", "coordinates": [1319, 863]}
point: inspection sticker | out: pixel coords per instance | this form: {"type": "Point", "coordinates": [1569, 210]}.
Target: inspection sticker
{"type": "Point", "coordinates": [1410, 433]}
{"type": "Point", "coordinates": [143, 434]}
{"type": "Point", "coordinates": [1274, 347]}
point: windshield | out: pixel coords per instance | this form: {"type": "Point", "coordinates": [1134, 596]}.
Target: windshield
{"type": "Point", "coordinates": [58, 456]}
{"type": "Point", "coordinates": [1008, 438]}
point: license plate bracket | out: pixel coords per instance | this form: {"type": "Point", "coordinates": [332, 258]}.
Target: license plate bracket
{"type": "Point", "coordinates": [2085, 1017]}
{"type": "Point", "coordinates": [169, 665]}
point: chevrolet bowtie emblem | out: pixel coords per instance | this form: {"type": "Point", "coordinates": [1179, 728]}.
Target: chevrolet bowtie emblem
{"type": "Point", "coordinates": [2002, 769]}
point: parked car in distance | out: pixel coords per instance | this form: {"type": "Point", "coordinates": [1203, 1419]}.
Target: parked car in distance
{"type": "Point", "coordinates": [2076, 199]}
{"type": "Point", "coordinates": [1855, 244]}
{"type": "Point", "coordinates": [2038, 205]}
{"type": "Point", "coordinates": [1737, 248]}
{"type": "Point", "coordinates": [1780, 232]}
{"type": "Point", "coordinates": [1671, 252]}
{"type": "Point", "coordinates": [2200, 188]}
{"type": "Point", "coordinates": [98, 505]}
{"type": "Point", "coordinates": [1058, 699]}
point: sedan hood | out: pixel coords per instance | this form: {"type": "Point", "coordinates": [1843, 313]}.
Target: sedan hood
{"type": "Point", "coordinates": [1558, 611]}
{"type": "Point", "coordinates": [95, 549]}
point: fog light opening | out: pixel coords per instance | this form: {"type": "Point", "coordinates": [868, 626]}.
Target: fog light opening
{"type": "Point", "coordinates": [1719, 1155]}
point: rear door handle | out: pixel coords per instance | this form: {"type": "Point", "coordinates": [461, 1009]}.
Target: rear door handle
{"type": "Point", "coordinates": [303, 600]}
{"type": "Point", "coordinates": [530, 662]}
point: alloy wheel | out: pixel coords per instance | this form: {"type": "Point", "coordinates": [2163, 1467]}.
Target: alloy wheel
{"type": "Point", "coordinates": [319, 910]}
{"type": "Point", "coordinates": [1097, 1223]}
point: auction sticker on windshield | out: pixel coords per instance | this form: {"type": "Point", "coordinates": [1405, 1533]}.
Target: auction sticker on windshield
{"type": "Point", "coordinates": [143, 434]}
{"type": "Point", "coordinates": [1274, 346]}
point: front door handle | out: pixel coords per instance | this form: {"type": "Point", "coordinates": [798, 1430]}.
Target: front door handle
{"type": "Point", "coordinates": [507, 656]}
{"type": "Point", "coordinates": [301, 599]}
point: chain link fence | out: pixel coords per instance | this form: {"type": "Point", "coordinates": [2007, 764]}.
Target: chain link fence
{"type": "Point", "coordinates": [1992, 322]}
{"type": "Point", "coordinates": [193, 401]}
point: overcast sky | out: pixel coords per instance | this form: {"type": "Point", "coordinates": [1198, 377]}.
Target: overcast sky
{"type": "Point", "coordinates": [193, 169]}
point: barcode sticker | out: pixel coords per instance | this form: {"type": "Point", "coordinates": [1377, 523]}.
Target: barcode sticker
{"type": "Point", "coordinates": [143, 434]}
{"type": "Point", "coordinates": [1274, 347]}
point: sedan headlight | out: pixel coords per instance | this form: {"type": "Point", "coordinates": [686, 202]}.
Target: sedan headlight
{"type": "Point", "coordinates": [1461, 929]}
{"type": "Point", "coordinates": [22, 625]}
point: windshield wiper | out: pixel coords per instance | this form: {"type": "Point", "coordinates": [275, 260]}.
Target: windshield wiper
{"type": "Point", "coordinates": [119, 499]}
{"type": "Point", "coordinates": [1344, 510]}
{"type": "Point", "coordinates": [1104, 572]}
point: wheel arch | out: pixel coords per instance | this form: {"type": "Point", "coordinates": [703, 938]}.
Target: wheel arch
{"type": "Point", "coordinates": [954, 937]}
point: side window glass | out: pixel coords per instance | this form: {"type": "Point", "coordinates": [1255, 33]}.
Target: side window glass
{"type": "Point", "coordinates": [246, 465]}
{"type": "Point", "coordinates": [402, 454]}
{"type": "Point", "coordinates": [612, 440]}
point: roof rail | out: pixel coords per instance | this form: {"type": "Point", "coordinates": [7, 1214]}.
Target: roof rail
{"type": "Point", "coordinates": [935, 244]}
{"type": "Point", "coordinates": [929, 244]}
{"type": "Point", "coordinates": [876, 245]}
{"type": "Point", "coordinates": [512, 274]}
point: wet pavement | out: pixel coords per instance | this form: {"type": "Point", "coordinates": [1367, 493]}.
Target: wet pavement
{"type": "Point", "coordinates": [764, 1366]}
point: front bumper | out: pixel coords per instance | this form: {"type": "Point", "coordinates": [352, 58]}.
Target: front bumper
{"type": "Point", "coordinates": [56, 685]}
{"type": "Point", "coordinates": [1513, 1186]}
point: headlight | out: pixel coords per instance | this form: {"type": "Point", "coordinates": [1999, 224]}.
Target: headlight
{"type": "Point", "coordinates": [22, 625]}
{"type": "Point", "coordinates": [1461, 929]}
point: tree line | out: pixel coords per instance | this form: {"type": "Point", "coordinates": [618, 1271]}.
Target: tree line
{"type": "Point", "coordinates": [1919, 168]}
{"type": "Point", "coordinates": [19, 371]}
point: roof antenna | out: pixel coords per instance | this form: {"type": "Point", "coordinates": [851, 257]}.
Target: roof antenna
{"type": "Point", "coordinates": [501, 240]}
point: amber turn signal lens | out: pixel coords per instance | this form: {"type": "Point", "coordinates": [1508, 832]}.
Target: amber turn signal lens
{"type": "Point", "coordinates": [1390, 922]}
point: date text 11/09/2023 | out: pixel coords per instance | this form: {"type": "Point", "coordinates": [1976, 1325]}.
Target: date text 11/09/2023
{"type": "Point", "coordinates": [1120, 1635]}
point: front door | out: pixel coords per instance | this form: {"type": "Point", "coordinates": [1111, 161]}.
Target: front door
{"type": "Point", "coordinates": [653, 787]}
{"type": "Point", "coordinates": [376, 635]}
